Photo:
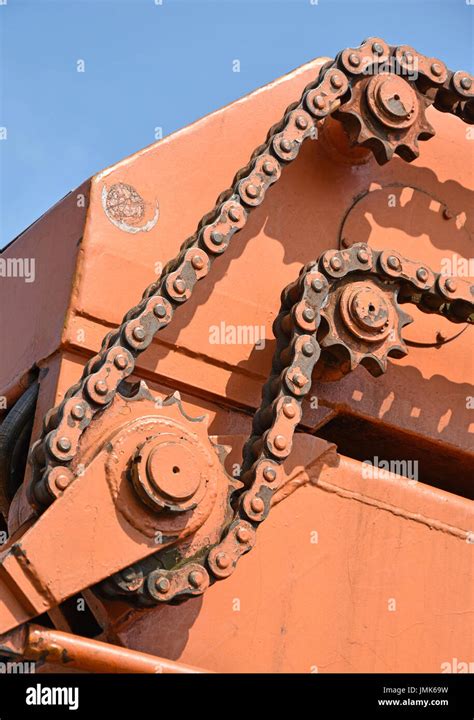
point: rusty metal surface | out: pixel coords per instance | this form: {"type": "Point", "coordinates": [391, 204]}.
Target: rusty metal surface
{"type": "Point", "coordinates": [345, 310]}
{"type": "Point", "coordinates": [160, 300]}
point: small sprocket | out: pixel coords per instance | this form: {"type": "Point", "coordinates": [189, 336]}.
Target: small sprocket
{"type": "Point", "coordinates": [386, 113]}
{"type": "Point", "coordinates": [362, 325]}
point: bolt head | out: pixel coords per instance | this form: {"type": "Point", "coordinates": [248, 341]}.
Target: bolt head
{"type": "Point", "coordinates": [308, 349]}
{"type": "Point", "coordinates": [285, 145]}
{"type": "Point", "coordinates": [377, 48]}
{"type": "Point", "coordinates": [436, 69]}
{"type": "Point", "coordinates": [253, 191]}
{"type": "Point", "coordinates": [62, 481]}
{"type": "Point", "coordinates": [234, 214]}
{"type": "Point", "coordinates": [101, 387]}
{"type": "Point", "coordinates": [64, 444]}
{"type": "Point", "coordinates": [363, 256]}
{"type": "Point", "coordinates": [128, 575]}
{"type": "Point", "coordinates": [335, 263]}
{"type": "Point", "coordinates": [422, 274]}
{"type": "Point", "coordinates": [269, 473]}
{"type": "Point", "coordinates": [268, 168]}
{"type": "Point", "coordinates": [162, 585]}
{"type": "Point", "coordinates": [336, 81]}
{"type": "Point", "coordinates": [120, 362]}
{"type": "Point", "coordinates": [299, 380]}
{"type": "Point", "coordinates": [393, 262]}
{"type": "Point", "coordinates": [257, 505]}
{"type": "Point", "coordinates": [179, 286]}
{"type": "Point", "coordinates": [317, 285]}
{"type": "Point", "coordinates": [289, 410]}
{"type": "Point", "coordinates": [159, 310]}
{"type": "Point", "coordinates": [139, 333]}
{"type": "Point", "coordinates": [309, 314]}
{"type": "Point", "coordinates": [280, 442]}
{"type": "Point", "coordinates": [196, 578]}
{"type": "Point", "coordinates": [466, 83]}
{"type": "Point", "coordinates": [222, 560]}
{"type": "Point", "coordinates": [78, 412]}
{"type": "Point", "coordinates": [319, 102]}
{"type": "Point", "coordinates": [301, 122]}
{"type": "Point", "coordinates": [354, 59]}
{"type": "Point", "coordinates": [197, 262]}
{"type": "Point", "coordinates": [216, 237]}
{"type": "Point", "coordinates": [243, 535]}
{"type": "Point", "coordinates": [451, 285]}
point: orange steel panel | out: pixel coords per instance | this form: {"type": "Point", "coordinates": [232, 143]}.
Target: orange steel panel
{"type": "Point", "coordinates": [348, 575]}
{"type": "Point", "coordinates": [34, 307]}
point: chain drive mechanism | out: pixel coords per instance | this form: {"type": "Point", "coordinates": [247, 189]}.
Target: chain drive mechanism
{"type": "Point", "coordinates": [344, 309]}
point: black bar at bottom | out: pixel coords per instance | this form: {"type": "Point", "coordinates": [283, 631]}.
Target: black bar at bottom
{"type": "Point", "coordinates": [114, 697]}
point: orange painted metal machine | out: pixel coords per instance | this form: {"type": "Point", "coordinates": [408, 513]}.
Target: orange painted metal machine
{"type": "Point", "coordinates": [175, 515]}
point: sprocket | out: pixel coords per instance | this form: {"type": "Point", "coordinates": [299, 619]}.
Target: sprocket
{"type": "Point", "coordinates": [362, 325]}
{"type": "Point", "coordinates": [386, 113]}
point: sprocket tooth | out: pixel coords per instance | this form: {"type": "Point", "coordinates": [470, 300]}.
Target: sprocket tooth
{"type": "Point", "coordinates": [427, 131]}
{"type": "Point", "coordinates": [382, 151]}
{"type": "Point", "coordinates": [398, 351]}
{"type": "Point", "coordinates": [375, 365]}
{"type": "Point", "coordinates": [222, 450]}
{"type": "Point", "coordinates": [331, 332]}
{"type": "Point", "coordinates": [404, 318]}
{"type": "Point", "coordinates": [363, 136]}
{"type": "Point", "coordinates": [355, 358]}
{"type": "Point", "coordinates": [408, 152]}
{"type": "Point", "coordinates": [331, 341]}
{"type": "Point", "coordinates": [175, 399]}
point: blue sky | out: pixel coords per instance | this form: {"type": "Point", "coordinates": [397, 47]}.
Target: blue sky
{"type": "Point", "coordinates": [164, 65]}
